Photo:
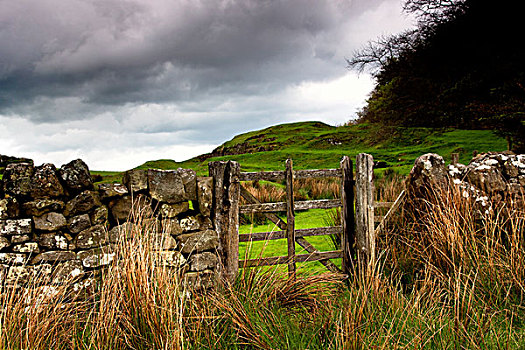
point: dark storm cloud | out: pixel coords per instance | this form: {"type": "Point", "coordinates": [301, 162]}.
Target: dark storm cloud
{"type": "Point", "coordinates": [79, 55]}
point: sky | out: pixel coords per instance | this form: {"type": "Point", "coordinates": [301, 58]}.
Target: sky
{"type": "Point", "coordinates": [120, 82]}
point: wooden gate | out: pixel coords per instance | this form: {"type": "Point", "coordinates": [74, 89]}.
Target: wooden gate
{"type": "Point", "coordinates": [357, 229]}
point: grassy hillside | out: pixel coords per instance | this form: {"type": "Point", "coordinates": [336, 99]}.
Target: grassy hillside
{"type": "Point", "coordinates": [317, 145]}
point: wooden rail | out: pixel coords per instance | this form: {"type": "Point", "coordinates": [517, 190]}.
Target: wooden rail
{"type": "Point", "coordinates": [281, 206]}
{"type": "Point", "coordinates": [280, 175]}
{"type": "Point", "coordinates": [278, 260]}
{"type": "Point", "coordinates": [305, 232]}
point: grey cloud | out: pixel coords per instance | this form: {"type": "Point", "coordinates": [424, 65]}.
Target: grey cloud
{"type": "Point", "coordinates": [60, 54]}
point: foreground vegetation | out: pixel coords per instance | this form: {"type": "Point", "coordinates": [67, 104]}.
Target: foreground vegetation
{"type": "Point", "coordinates": [448, 276]}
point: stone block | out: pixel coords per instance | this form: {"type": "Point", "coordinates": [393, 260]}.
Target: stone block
{"type": "Point", "coordinates": [67, 272]}
{"type": "Point", "coordinates": [136, 180]}
{"type": "Point", "coordinates": [189, 179]}
{"type": "Point", "coordinates": [97, 257]}
{"type": "Point", "coordinates": [192, 243]}
{"type": "Point", "coordinates": [28, 247]}
{"type": "Point", "coordinates": [4, 243]}
{"type": "Point", "coordinates": [53, 241]}
{"type": "Point", "coordinates": [76, 176]}
{"type": "Point", "coordinates": [15, 227]}
{"type": "Point", "coordinates": [166, 186]}
{"type": "Point", "coordinates": [53, 257]}
{"type": "Point", "coordinates": [15, 239]}
{"type": "Point", "coordinates": [164, 242]}
{"type": "Point", "coordinates": [90, 238]}
{"type": "Point", "coordinates": [33, 275]}
{"type": "Point", "coordinates": [39, 207]}
{"type": "Point", "coordinates": [50, 222]}
{"type": "Point", "coordinates": [82, 203]}
{"type": "Point", "coordinates": [203, 261]}
{"type": "Point", "coordinates": [108, 191]}
{"type": "Point", "coordinates": [200, 280]}
{"type": "Point", "coordinates": [194, 223]}
{"type": "Point", "coordinates": [9, 208]}
{"type": "Point", "coordinates": [78, 223]}
{"type": "Point", "coordinates": [17, 179]}
{"type": "Point", "coordinates": [171, 227]}
{"type": "Point", "coordinates": [121, 208]}
{"type": "Point", "coordinates": [13, 258]}
{"type": "Point", "coordinates": [100, 216]}
{"type": "Point", "coordinates": [205, 195]}
{"type": "Point", "coordinates": [172, 210]}
{"type": "Point", "coordinates": [122, 232]}
{"type": "Point", "coordinates": [171, 259]}
{"type": "Point", "coordinates": [45, 182]}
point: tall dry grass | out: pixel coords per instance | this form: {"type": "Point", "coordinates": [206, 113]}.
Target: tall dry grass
{"type": "Point", "coordinates": [447, 276]}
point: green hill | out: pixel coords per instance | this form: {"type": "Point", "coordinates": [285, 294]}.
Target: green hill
{"type": "Point", "coordinates": [315, 145]}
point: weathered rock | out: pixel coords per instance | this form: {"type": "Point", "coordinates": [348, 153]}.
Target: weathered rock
{"type": "Point", "coordinates": [90, 238]}
{"type": "Point", "coordinates": [486, 178]}
{"type": "Point", "coordinates": [53, 256]}
{"type": "Point", "coordinates": [205, 194]}
{"type": "Point", "coordinates": [189, 179]}
{"type": "Point", "coordinates": [67, 272]}
{"type": "Point", "coordinates": [122, 232]}
{"type": "Point", "coordinates": [41, 206]}
{"type": "Point", "coordinates": [171, 258]}
{"type": "Point", "coordinates": [108, 191]}
{"type": "Point", "coordinates": [84, 289]}
{"type": "Point", "coordinates": [100, 216]}
{"type": "Point", "coordinates": [82, 203]}
{"type": "Point", "coordinates": [17, 179]}
{"type": "Point", "coordinates": [76, 176]}
{"type": "Point", "coordinates": [193, 223]}
{"type": "Point", "coordinates": [9, 208]}
{"type": "Point", "coordinates": [203, 261]}
{"type": "Point", "coordinates": [166, 186]}
{"type": "Point", "coordinates": [136, 180]}
{"type": "Point", "coordinates": [200, 280]}
{"type": "Point", "coordinates": [28, 247]}
{"type": "Point", "coordinates": [34, 275]}
{"type": "Point", "coordinates": [45, 182]}
{"type": "Point", "coordinates": [15, 227]}
{"type": "Point", "coordinates": [172, 210]}
{"type": "Point", "coordinates": [171, 227]}
{"type": "Point", "coordinates": [53, 241]}
{"type": "Point", "coordinates": [13, 258]}
{"type": "Point", "coordinates": [198, 241]}
{"type": "Point", "coordinates": [78, 223]}
{"type": "Point", "coordinates": [4, 243]}
{"type": "Point", "coordinates": [50, 221]}
{"type": "Point", "coordinates": [15, 239]}
{"type": "Point", "coordinates": [164, 242]}
{"type": "Point", "coordinates": [189, 224]}
{"type": "Point", "coordinates": [121, 208]}
{"type": "Point", "coordinates": [429, 170]}
{"type": "Point", "coordinates": [97, 257]}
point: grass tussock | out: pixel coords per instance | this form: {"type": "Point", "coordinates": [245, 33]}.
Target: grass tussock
{"type": "Point", "coordinates": [449, 275]}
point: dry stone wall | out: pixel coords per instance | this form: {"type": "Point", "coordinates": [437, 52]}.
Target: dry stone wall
{"type": "Point", "coordinates": [57, 224]}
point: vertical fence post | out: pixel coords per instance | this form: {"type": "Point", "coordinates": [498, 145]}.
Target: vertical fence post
{"type": "Point", "coordinates": [347, 214]}
{"type": "Point", "coordinates": [455, 158]}
{"type": "Point", "coordinates": [225, 214]}
{"type": "Point", "coordinates": [364, 206]}
{"type": "Point", "coordinates": [290, 218]}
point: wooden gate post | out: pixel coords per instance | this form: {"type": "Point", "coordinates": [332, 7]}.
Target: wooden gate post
{"type": "Point", "coordinates": [347, 215]}
{"type": "Point", "coordinates": [225, 215]}
{"type": "Point", "coordinates": [290, 218]}
{"type": "Point", "coordinates": [364, 206]}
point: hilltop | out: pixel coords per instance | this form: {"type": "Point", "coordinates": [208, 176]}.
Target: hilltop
{"type": "Point", "coordinates": [315, 145]}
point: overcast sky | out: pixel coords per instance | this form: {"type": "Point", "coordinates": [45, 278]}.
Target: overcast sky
{"type": "Point", "coordinates": [119, 82]}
